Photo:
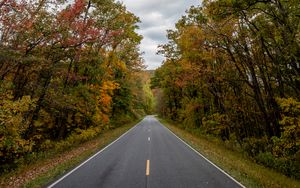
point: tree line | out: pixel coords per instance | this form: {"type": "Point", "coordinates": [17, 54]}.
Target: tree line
{"type": "Point", "coordinates": [68, 70]}
{"type": "Point", "coordinates": [232, 70]}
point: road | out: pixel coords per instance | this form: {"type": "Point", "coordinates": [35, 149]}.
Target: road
{"type": "Point", "coordinates": [147, 156]}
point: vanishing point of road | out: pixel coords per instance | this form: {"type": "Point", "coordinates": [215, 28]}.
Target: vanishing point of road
{"type": "Point", "coordinates": [147, 156]}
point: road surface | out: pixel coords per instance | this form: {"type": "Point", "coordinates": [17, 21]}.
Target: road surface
{"type": "Point", "coordinates": [147, 156]}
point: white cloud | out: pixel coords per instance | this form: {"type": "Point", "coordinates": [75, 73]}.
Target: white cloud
{"type": "Point", "coordinates": [157, 16]}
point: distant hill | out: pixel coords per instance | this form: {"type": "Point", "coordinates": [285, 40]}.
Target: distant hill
{"type": "Point", "coordinates": [151, 72]}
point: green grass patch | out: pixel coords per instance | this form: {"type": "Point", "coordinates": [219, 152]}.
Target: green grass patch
{"type": "Point", "coordinates": [50, 165]}
{"type": "Point", "coordinates": [234, 163]}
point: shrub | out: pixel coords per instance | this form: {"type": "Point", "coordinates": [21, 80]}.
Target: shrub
{"type": "Point", "coordinates": [192, 113]}
{"type": "Point", "coordinates": [253, 146]}
{"type": "Point", "coordinates": [12, 126]}
{"type": "Point", "coordinates": [266, 158]}
{"type": "Point", "coordinates": [217, 125]}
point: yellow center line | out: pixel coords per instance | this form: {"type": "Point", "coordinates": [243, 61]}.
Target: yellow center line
{"type": "Point", "coordinates": [148, 168]}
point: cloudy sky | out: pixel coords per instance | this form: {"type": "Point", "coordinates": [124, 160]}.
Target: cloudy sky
{"type": "Point", "coordinates": [156, 16]}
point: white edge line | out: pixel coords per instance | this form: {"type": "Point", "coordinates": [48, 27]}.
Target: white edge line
{"type": "Point", "coordinates": [206, 158]}
{"type": "Point", "coordinates": [80, 165]}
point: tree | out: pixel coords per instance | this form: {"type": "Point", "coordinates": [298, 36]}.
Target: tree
{"type": "Point", "coordinates": [229, 65]}
{"type": "Point", "coordinates": [65, 68]}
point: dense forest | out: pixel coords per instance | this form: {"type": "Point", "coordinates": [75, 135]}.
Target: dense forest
{"type": "Point", "coordinates": [232, 71]}
{"type": "Point", "coordinates": [68, 70]}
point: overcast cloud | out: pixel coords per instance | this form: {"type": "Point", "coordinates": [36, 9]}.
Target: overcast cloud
{"type": "Point", "coordinates": [156, 16]}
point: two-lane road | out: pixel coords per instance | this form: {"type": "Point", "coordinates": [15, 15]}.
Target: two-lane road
{"type": "Point", "coordinates": [147, 156]}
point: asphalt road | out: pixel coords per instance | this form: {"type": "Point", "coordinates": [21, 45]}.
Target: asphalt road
{"type": "Point", "coordinates": [147, 156]}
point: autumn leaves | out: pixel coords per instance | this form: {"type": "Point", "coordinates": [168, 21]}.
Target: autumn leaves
{"type": "Point", "coordinates": [230, 68]}
{"type": "Point", "coordinates": [74, 66]}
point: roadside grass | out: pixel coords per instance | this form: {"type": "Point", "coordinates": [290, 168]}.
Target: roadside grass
{"type": "Point", "coordinates": [244, 170]}
{"type": "Point", "coordinates": [53, 164]}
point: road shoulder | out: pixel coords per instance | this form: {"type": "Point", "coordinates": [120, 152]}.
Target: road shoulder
{"type": "Point", "coordinates": [43, 171]}
{"type": "Point", "coordinates": [235, 164]}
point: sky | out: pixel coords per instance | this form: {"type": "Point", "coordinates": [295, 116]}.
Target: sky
{"type": "Point", "coordinates": [156, 17]}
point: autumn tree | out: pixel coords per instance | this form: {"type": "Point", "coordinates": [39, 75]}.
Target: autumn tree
{"type": "Point", "coordinates": [231, 69]}
{"type": "Point", "coordinates": [67, 71]}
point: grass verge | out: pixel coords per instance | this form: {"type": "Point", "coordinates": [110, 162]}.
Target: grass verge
{"type": "Point", "coordinates": [55, 164]}
{"type": "Point", "coordinates": [236, 164]}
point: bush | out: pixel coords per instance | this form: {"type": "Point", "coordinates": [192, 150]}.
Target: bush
{"type": "Point", "coordinates": [286, 166]}
{"type": "Point", "coordinates": [12, 127]}
{"type": "Point", "coordinates": [267, 159]}
{"type": "Point", "coordinates": [192, 113]}
{"type": "Point", "coordinates": [217, 125]}
{"type": "Point", "coordinates": [77, 137]}
{"type": "Point", "coordinates": [254, 146]}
